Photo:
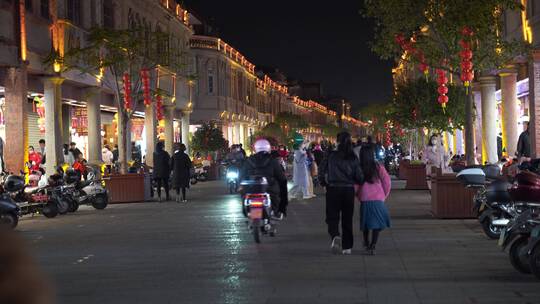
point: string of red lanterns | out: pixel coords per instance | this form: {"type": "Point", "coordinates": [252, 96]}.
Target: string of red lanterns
{"type": "Point", "coordinates": [145, 78]}
{"type": "Point", "coordinates": [127, 91]}
{"type": "Point", "coordinates": [466, 54]}
{"type": "Point", "coordinates": [442, 80]}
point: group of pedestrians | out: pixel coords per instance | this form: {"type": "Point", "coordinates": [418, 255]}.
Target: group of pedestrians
{"type": "Point", "coordinates": [346, 177]}
{"type": "Point", "coordinates": [181, 166]}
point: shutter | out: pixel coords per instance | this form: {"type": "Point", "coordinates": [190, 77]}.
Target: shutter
{"type": "Point", "coordinates": [34, 135]}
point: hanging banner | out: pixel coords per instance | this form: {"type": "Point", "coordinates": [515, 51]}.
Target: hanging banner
{"type": "Point", "coordinates": [79, 120]}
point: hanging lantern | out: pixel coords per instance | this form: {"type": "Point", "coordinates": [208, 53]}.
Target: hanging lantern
{"type": "Point", "coordinates": [159, 107]}
{"type": "Point", "coordinates": [442, 80]}
{"type": "Point", "coordinates": [146, 87]}
{"type": "Point", "coordinates": [127, 92]}
{"type": "Point", "coordinates": [466, 55]}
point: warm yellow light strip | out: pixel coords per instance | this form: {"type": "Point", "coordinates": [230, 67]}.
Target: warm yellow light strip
{"type": "Point", "coordinates": [22, 12]}
{"type": "Point", "coordinates": [527, 31]}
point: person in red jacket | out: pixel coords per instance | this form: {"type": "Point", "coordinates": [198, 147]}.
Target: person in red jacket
{"type": "Point", "coordinates": [34, 159]}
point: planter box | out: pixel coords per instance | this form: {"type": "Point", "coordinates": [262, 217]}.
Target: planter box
{"type": "Point", "coordinates": [403, 165]}
{"type": "Point", "coordinates": [416, 177]}
{"type": "Point", "coordinates": [125, 188]}
{"type": "Point", "coordinates": [450, 199]}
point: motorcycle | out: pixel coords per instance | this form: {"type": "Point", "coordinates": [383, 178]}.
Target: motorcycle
{"type": "Point", "coordinates": [200, 174]}
{"type": "Point", "coordinates": [257, 205]}
{"type": "Point", "coordinates": [9, 212]}
{"type": "Point", "coordinates": [493, 204]}
{"type": "Point", "coordinates": [232, 176]}
{"type": "Point", "coordinates": [516, 237]}
{"type": "Point", "coordinates": [29, 199]}
{"type": "Point", "coordinates": [90, 192]}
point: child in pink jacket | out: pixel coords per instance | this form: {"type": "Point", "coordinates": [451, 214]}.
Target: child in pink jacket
{"type": "Point", "coordinates": [372, 193]}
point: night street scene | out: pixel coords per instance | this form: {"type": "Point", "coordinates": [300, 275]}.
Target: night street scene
{"type": "Point", "coordinates": [289, 152]}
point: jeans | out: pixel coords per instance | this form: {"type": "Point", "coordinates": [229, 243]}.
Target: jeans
{"type": "Point", "coordinates": [340, 205]}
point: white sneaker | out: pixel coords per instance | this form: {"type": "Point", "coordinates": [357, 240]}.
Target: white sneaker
{"type": "Point", "coordinates": [347, 252]}
{"type": "Point", "coordinates": [336, 245]}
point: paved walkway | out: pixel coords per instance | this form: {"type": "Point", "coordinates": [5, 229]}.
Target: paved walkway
{"type": "Point", "coordinates": [202, 253]}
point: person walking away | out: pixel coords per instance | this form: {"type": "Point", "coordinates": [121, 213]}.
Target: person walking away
{"type": "Point", "coordinates": [263, 164]}
{"type": "Point", "coordinates": [524, 145]}
{"type": "Point", "coordinates": [300, 174]}
{"type": "Point", "coordinates": [162, 169]}
{"type": "Point", "coordinates": [68, 156]}
{"type": "Point", "coordinates": [116, 154]}
{"type": "Point", "coordinates": [74, 150]}
{"type": "Point", "coordinates": [372, 194]}
{"type": "Point", "coordinates": [318, 154]}
{"type": "Point", "coordinates": [107, 157]}
{"type": "Point", "coordinates": [283, 196]}
{"type": "Point", "coordinates": [181, 166]}
{"type": "Point", "coordinates": [339, 173]}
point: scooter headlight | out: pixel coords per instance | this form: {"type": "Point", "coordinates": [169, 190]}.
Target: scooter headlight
{"type": "Point", "coordinates": [232, 175]}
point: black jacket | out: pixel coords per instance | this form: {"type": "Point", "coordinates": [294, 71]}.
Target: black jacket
{"type": "Point", "coordinates": [162, 168]}
{"type": "Point", "coordinates": [181, 166]}
{"type": "Point", "coordinates": [524, 144]}
{"type": "Point", "coordinates": [337, 171]}
{"type": "Point", "coordinates": [263, 164]}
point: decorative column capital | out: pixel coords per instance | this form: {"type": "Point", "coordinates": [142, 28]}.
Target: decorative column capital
{"type": "Point", "coordinates": [487, 80]}
{"type": "Point", "coordinates": [54, 80]}
{"type": "Point", "coordinates": [509, 70]}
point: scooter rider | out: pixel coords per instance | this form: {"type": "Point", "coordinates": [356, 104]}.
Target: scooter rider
{"type": "Point", "coordinates": [263, 164]}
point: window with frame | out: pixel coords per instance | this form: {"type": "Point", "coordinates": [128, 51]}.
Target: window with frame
{"type": "Point", "coordinates": [73, 11]}
{"type": "Point", "coordinates": [44, 8]}
{"type": "Point", "coordinates": [210, 82]}
{"type": "Point", "coordinates": [108, 14]}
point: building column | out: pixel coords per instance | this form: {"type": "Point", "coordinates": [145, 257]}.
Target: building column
{"type": "Point", "coordinates": [534, 104]}
{"type": "Point", "coordinates": [66, 124]}
{"type": "Point", "coordinates": [93, 111]}
{"type": "Point", "coordinates": [238, 131]}
{"type": "Point", "coordinates": [510, 112]}
{"type": "Point", "coordinates": [53, 123]}
{"type": "Point", "coordinates": [185, 130]}
{"type": "Point", "coordinates": [477, 124]}
{"type": "Point", "coordinates": [16, 140]}
{"type": "Point", "coordinates": [150, 133]}
{"type": "Point", "coordinates": [489, 119]}
{"type": "Point", "coordinates": [169, 129]}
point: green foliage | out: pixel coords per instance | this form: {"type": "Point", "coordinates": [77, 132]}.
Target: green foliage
{"type": "Point", "coordinates": [272, 130]}
{"type": "Point", "coordinates": [330, 130]}
{"type": "Point", "coordinates": [443, 22]}
{"type": "Point", "coordinates": [208, 138]}
{"type": "Point", "coordinates": [415, 106]}
{"type": "Point", "coordinates": [290, 122]}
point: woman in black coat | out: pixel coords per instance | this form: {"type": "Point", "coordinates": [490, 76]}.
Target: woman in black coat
{"type": "Point", "coordinates": [181, 166]}
{"type": "Point", "coordinates": [162, 169]}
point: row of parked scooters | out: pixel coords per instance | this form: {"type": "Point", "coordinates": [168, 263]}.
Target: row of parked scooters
{"type": "Point", "coordinates": [509, 211]}
{"type": "Point", "coordinates": [59, 193]}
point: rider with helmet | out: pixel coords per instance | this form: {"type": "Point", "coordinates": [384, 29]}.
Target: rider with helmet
{"type": "Point", "coordinates": [262, 163]}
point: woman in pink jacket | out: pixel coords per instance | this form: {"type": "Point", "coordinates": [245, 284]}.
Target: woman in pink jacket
{"type": "Point", "coordinates": [372, 194]}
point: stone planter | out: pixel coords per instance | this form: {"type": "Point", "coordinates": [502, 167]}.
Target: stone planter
{"type": "Point", "coordinates": [450, 199]}
{"type": "Point", "coordinates": [125, 188]}
{"type": "Point", "coordinates": [403, 165]}
{"type": "Point", "coordinates": [416, 177]}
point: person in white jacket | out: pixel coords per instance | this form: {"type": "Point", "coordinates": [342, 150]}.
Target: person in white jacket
{"type": "Point", "coordinates": [107, 156]}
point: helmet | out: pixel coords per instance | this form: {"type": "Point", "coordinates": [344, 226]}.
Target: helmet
{"type": "Point", "coordinates": [14, 183]}
{"type": "Point", "coordinates": [262, 145]}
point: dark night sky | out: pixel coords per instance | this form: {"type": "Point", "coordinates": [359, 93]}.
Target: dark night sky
{"type": "Point", "coordinates": [305, 40]}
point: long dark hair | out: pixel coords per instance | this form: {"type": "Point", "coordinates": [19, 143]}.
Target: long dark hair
{"type": "Point", "coordinates": [431, 139]}
{"type": "Point", "coordinates": [345, 147]}
{"type": "Point", "coordinates": [368, 164]}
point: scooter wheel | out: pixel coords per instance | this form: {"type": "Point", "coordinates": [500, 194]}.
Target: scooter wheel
{"type": "Point", "coordinates": [50, 210]}
{"type": "Point", "coordinates": [534, 261]}
{"type": "Point", "coordinates": [518, 255]}
{"type": "Point", "coordinates": [491, 231]}
{"type": "Point", "coordinates": [100, 202]}
{"type": "Point", "coordinates": [9, 220]}
{"type": "Point", "coordinates": [73, 206]}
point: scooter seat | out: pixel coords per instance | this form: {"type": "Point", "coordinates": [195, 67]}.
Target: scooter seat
{"type": "Point", "coordinates": [29, 190]}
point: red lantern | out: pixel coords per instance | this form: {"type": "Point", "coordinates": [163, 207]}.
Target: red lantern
{"type": "Point", "coordinates": [146, 87]}
{"type": "Point", "coordinates": [443, 99]}
{"type": "Point", "coordinates": [466, 65]}
{"type": "Point", "coordinates": [443, 89]}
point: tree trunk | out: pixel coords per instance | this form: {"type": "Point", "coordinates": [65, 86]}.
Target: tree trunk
{"type": "Point", "coordinates": [122, 141]}
{"type": "Point", "coordinates": [470, 152]}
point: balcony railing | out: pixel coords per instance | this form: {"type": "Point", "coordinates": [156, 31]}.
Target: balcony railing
{"type": "Point", "coordinates": [213, 43]}
{"type": "Point", "coordinates": [176, 10]}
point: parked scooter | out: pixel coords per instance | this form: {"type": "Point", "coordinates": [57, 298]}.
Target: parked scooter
{"type": "Point", "coordinates": [9, 212]}
{"type": "Point", "coordinates": [258, 207]}
{"type": "Point", "coordinates": [29, 199]}
{"type": "Point", "coordinates": [492, 201]}
{"type": "Point", "coordinates": [90, 192]}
